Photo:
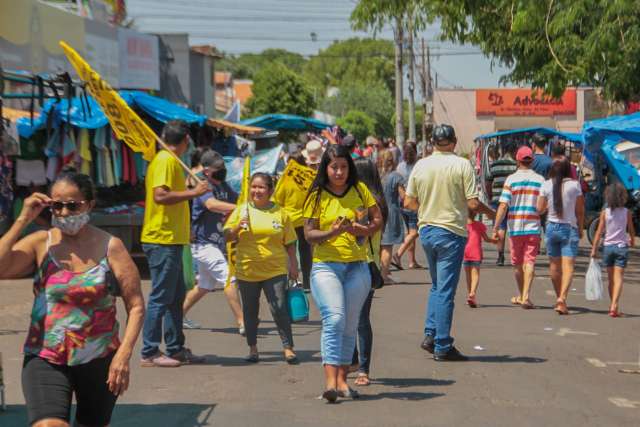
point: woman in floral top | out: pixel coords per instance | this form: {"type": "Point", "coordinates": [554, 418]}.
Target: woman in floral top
{"type": "Point", "coordinates": [73, 344]}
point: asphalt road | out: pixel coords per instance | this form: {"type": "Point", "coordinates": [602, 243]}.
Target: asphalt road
{"type": "Point", "coordinates": [528, 368]}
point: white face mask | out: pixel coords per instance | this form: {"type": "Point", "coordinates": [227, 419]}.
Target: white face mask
{"type": "Point", "coordinates": [72, 224]}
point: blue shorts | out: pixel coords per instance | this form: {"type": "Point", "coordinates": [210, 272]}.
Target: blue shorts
{"type": "Point", "coordinates": [615, 256]}
{"type": "Point", "coordinates": [562, 240]}
{"type": "Point", "coordinates": [472, 263]}
{"type": "Point", "coordinates": [503, 224]}
{"type": "Point", "coordinates": [410, 219]}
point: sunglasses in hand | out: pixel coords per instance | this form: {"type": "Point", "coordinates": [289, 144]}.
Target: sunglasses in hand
{"type": "Point", "coordinates": [72, 205]}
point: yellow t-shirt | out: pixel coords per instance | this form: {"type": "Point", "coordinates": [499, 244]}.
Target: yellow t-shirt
{"type": "Point", "coordinates": [442, 183]}
{"type": "Point", "coordinates": [292, 200]}
{"type": "Point", "coordinates": [165, 224]}
{"type": "Point", "coordinates": [260, 250]}
{"type": "Point", "coordinates": [345, 247]}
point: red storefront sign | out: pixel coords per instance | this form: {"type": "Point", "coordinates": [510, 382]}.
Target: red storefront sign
{"type": "Point", "coordinates": [523, 102]}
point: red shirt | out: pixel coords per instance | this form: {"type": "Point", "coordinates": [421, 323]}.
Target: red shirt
{"type": "Point", "coordinates": [473, 250]}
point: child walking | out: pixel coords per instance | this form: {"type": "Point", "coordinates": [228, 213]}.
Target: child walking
{"type": "Point", "coordinates": [615, 221]}
{"type": "Point", "coordinates": [477, 232]}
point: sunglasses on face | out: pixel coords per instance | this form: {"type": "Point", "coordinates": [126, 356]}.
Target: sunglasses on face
{"type": "Point", "coordinates": [72, 205]}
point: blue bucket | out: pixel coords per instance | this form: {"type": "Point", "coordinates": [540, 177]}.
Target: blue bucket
{"type": "Point", "coordinates": [298, 304]}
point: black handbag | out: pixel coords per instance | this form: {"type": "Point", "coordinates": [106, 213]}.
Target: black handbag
{"type": "Point", "coordinates": [377, 281]}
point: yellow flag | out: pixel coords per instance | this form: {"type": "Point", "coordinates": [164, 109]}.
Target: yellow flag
{"type": "Point", "coordinates": [126, 124]}
{"type": "Point", "coordinates": [295, 177]}
{"type": "Point", "coordinates": [243, 198]}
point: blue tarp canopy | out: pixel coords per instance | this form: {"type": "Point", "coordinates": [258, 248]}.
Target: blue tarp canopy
{"type": "Point", "coordinates": [603, 135]}
{"type": "Point", "coordinates": [86, 113]}
{"type": "Point", "coordinates": [569, 136]}
{"type": "Point", "coordinates": [285, 122]}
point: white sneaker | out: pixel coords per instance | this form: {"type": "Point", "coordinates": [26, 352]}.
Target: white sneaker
{"type": "Point", "coordinates": [190, 324]}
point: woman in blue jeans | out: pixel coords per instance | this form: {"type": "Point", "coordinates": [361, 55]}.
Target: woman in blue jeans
{"type": "Point", "coordinates": [562, 197]}
{"type": "Point", "coordinates": [340, 215]}
{"type": "Point", "coordinates": [368, 174]}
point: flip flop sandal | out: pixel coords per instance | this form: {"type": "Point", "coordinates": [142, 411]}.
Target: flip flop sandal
{"type": "Point", "coordinates": [396, 262]}
{"type": "Point", "coordinates": [514, 301]}
{"type": "Point", "coordinates": [415, 267]}
{"type": "Point", "coordinates": [362, 380]}
{"type": "Point", "coordinates": [349, 393]}
{"type": "Point", "coordinates": [561, 309]}
{"type": "Point", "coordinates": [471, 302]}
{"type": "Point", "coordinates": [527, 305]}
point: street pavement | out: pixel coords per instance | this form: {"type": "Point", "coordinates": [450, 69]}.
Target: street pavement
{"type": "Point", "coordinates": [527, 368]}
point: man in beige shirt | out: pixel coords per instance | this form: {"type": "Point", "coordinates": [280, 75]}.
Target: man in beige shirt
{"type": "Point", "coordinates": [442, 189]}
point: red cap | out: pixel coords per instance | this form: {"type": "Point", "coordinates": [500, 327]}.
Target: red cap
{"type": "Point", "coordinates": [524, 154]}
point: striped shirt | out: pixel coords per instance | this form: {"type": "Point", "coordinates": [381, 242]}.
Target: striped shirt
{"type": "Point", "coordinates": [499, 170]}
{"type": "Point", "coordinates": [520, 194]}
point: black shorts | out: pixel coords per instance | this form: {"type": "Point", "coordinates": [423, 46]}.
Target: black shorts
{"type": "Point", "coordinates": [48, 390]}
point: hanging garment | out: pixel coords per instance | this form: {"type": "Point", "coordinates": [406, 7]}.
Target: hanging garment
{"type": "Point", "coordinates": [101, 154]}
{"type": "Point", "coordinates": [85, 152]}
{"type": "Point", "coordinates": [116, 154]}
{"type": "Point", "coordinates": [30, 172]}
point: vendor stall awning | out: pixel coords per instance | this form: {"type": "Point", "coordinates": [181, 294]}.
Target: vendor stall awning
{"type": "Point", "coordinates": [242, 129]}
{"type": "Point", "coordinates": [569, 136]}
{"type": "Point", "coordinates": [286, 122]}
{"type": "Point", "coordinates": [14, 115]}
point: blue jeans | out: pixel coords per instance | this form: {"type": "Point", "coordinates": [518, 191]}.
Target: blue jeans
{"type": "Point", "coordinates": [444, 251]}
{"type": "Point", "coordinates": [562, 240]}
{"type": "Point", "coordinates": [615, 256]}
{"type": "Point", "coordinates": [164, 305]}
{"type": "Point", "coordinates": [339, 290]}
{"type": "Point", "coordinates": [365, 337]}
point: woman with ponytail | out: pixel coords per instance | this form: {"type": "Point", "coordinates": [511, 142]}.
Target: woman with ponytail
{"type": "Point", "coordinates": [562, 197]}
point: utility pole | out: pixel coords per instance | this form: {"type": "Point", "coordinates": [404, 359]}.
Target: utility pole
{"type": "Point", "coordinates": [398, 33]}
{"type": "Point", "coordinates": [412, 102]}
{"type": "Point", "coordinates": [427, 92]}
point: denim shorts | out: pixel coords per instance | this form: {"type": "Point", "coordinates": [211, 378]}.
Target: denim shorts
{"type": "Point", "coordinates": [562, 240]}
{"type": "Point", "coordinates": [472, 263]}
{"type": "Point", "coordinates": [615, 256]}
{"type": "Point", "coordinates": [505, 220]}
{"type": "Point", "coordinates": [410, 219]}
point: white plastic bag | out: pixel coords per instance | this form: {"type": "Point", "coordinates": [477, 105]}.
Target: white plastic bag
{"type": "Point", "coordinates": [593, 289]}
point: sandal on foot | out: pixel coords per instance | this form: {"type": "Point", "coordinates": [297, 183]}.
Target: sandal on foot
{"type": "Point", "coordinates": [561, 308]}
{"type": "Point", "coordinates": [415, 266]}
{"type": "Point", "coordinates": [615, 313]}
{"type": "Point", "coordinates": [362, 380]}
{"type": "Point", "coordinates": [292, 360]}
{"type": "Point", "coordinates": [471, 302]}
{"type": "Point", "coordinates": [515, 301]}
{"type": "Point", "coordinates": [349, 393]}
{"type": "Point", "coordinates": [396, 262]}
{"type": "Point", "coordinates": [527, 305]}
{"type": "Point", "coordinates": [331, 395]}
{"type": "Point", "coordinates": [252, 358]}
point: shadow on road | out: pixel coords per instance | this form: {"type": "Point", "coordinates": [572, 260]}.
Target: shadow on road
{"type": "Point", "coordinates": [506, 358]}
{"type": "Point", "coordinates": [402, 395]}
{"type": "Point", "coordinates": [411, 382]}
{"type": "Point", "coordinates": [134, 415]}
{"type": "Point", "coordinates": [11, 332]}
{"type": "Point", "coordinates": [304, 356]}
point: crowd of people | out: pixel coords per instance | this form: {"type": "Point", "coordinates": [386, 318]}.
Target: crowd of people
{"type": "Point", "coordinates": [336, 236]}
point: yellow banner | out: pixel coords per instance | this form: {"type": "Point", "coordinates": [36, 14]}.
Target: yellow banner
{"type": "Point", "coordinates": [295, 177]}
{"type": "Point", "coordinates": [243, 198]}
{"type": "Point", "coordinates": [126, 124]}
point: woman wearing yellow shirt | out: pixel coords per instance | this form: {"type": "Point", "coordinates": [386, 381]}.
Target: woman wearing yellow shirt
{"type": "Point", "coordinates": [340, 215]}
{"type": "Point", "coordinates": [265, 247]}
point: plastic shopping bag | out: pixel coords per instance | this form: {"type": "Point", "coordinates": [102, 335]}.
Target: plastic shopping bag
{"type": "Point", "coordinates": [593, 289]}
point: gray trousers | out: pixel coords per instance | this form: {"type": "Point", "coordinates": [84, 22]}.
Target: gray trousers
{"type": "Point", "coordinates": [275, 289]}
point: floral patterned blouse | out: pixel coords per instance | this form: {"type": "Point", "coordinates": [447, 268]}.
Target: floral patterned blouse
{"type": "Point", "coordinates": [73, 320]}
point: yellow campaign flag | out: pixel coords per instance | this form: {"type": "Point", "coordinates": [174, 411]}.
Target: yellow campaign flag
{"type": "Point", "coordinates": [295, 177]}
{"type": "Point", "coordinates": [126, 124]}
{"type": "Point", "coordinates": [243, 198]}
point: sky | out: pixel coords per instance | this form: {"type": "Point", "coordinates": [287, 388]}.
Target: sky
{"type": "Point", "coordinates": [250, 26]}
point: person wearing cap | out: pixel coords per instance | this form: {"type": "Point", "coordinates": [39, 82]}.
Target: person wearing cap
{"type": "Point", "coordinates": [442, 188]}
{"type": "Point", "coordinates": [313, 154]}
{"type": "Point", "coordinates": [350, 142]}
{"type": "Point", "coordinates": [518, 201]}
{"type": "Point", "coordinates": [208, 246]}
{"type": "Point", "coordinates": [371, 149]}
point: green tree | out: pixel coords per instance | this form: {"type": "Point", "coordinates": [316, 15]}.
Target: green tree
{"type": "Point", "coordinates": [276, 89]}
{"type": "Point", "coordinates": [374, 99]}
{"type": "Point", "coordinates": [552, 44]}
{"type": "Point", "coordinates": [350, 61]}
{"type": "Point", "coordinates": [247, 65]}
{"type": "Point", "coordinates": [358, 123]}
